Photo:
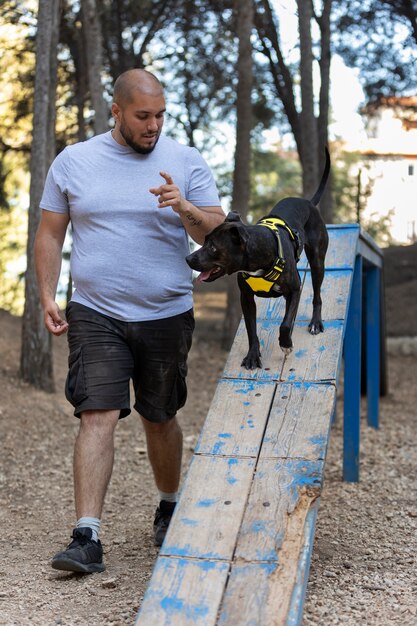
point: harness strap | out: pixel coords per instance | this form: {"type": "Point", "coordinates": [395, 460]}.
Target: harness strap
{"type": "Point", "coordinates": [267, 281]}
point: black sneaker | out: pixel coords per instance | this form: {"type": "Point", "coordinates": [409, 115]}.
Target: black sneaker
{"type": "Point", "coordinates": [163, 516]}
{"type": "Point", "coordinates": [82, 555]}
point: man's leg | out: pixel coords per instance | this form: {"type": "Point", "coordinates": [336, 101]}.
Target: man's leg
{"type": "Point", "coordinates": [93, 461]}
{"type": "Point", "coordinates": [164, 441]}
{"type": "Point", "coordinates": [93, 464]}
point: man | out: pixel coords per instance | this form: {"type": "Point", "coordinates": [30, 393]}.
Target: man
{"type": "Point", "coordinates": [131, 313]}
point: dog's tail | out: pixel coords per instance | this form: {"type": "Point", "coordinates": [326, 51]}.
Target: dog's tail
{"type": "Point", "coordinates": [316, 198]}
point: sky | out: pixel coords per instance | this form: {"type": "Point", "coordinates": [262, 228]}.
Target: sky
{"type": "Point", "coordinates": [346, 94]}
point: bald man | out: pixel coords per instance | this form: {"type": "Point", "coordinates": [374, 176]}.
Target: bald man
{"type": "Point", "coordinates": [133, 196]}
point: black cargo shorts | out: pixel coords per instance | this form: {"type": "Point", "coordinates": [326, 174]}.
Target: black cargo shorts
{"type": "Point", "coordinates": [106, 354]}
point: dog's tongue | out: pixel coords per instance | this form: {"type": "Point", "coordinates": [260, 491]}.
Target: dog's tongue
{"type": "Point", "coordinates": [203, 276]}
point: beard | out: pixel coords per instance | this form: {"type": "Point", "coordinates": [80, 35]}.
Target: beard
{"type": "Point", "coordinates": [127, 136]}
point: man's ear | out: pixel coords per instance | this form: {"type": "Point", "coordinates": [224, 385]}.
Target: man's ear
{"type": "Point", "coordinates": [232, 217]}
{"type": "Point", "coordinates": [239, 236]}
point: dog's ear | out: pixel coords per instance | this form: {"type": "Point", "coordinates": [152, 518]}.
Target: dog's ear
{"type": "Point", "coordinates": [238, 235]}
{"type": "Point", "coordinates": [233, 217]}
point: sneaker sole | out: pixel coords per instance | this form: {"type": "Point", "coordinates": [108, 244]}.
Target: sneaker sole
{"type": "Point", "coordinates": [68, 565]}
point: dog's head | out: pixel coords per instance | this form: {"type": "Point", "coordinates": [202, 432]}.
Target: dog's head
{"type": "Point", "coordinates": [223, 250]}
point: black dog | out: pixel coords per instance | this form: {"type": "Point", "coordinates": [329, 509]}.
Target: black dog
{"type": "Point", "coordinates": [266, 255]}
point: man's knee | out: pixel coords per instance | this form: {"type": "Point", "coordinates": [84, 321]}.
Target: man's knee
{"type": "Point", "coordinates": [160, 428]}
{"type": "Point", "coordinates": [99, 420]}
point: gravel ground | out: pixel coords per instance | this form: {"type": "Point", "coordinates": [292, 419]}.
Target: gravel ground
{"type": "Point", "coordinates": [363, 569]}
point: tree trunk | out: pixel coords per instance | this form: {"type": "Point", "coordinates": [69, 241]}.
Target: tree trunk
{"type": "Point", "coordinates": [36, 365]}
{"type": "Point", "coordinates": [268, 33]}
{"type": "Point", "coordinates": [309, 133]}
{"type": "Point", "coordinates": [326, 204]}
{"type": "Point", "coordinates": [241, 176]}
{"type": "Point", "coordinates": [94, 49]}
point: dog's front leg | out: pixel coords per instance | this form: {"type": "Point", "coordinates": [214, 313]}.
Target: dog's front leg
{"type": "Point", "coordinates": [247, 300]}
{"type": "Point", "coordinates": [285, 330]}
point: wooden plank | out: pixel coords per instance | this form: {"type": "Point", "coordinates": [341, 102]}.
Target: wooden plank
{"type": "Point", "coordinates": [236, 420]}
{"type": "Point", "coordinates": [208, 515]}
{"type": "Point", "coordinates": [280, 496]}
{"type": "Point", "coordinates": [315, 357]}
{"type": "Point", "coordinates": [271, 353]}
{"type": "Point", "coordinates": [265, 569]}
{"type": "Point", "coordinates": [183, 593]}
{"type": "Point", "coordinates": [299, 421]}
{"type": "Point", "coordinates": [334, 294]}
{"type": "Point", "coordinates": [250, 598]}
{"type": "Point", "coordinates": [295, 611]}
{"type": "Point", "coordinates": [343, 244]}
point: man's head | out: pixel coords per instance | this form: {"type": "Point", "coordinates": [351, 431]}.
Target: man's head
{"type": "Point", "coordinates": [138, 109]}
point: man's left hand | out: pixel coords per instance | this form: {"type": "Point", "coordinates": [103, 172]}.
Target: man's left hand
{"type": "Point", "coordinates": [169, 194]}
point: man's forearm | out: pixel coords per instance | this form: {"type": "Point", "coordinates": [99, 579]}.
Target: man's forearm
{"type": "Point", "coordinates": [48, 255]}
{"type": "Point", "coordinates": [199, 222]}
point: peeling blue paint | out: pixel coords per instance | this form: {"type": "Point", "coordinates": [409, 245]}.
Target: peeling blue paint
{"type": "Point", "coordinates": [189, 522]}
{"type": "Point", "coordinates": [229, 477]}
{"type": "Point", "coordinates": [217, 448]}
{"type": "Point", "coordinates": [206, 503]}
{"type": "Point", "coordinates": [188, 551]}
{"type": "Point", "coordinates": [270, 555]}
{"type": "Point", "coordinates": [225, 435]}
{"type": "Point", "coordinates": [301, 353]}
{"type": "Point", "coordinates": [179, 606]}
{"type": "Point", "coordinates": [258, 526]}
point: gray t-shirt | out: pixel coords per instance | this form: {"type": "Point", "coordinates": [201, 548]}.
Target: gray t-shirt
{"type": "Point", "coordinates": [128, 256]}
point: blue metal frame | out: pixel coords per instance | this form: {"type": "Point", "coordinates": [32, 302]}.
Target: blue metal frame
{"type": "Point", "coordinates": [373, 295]}
{"type": "Point", "coordinates": [366, 281]}
{"type": "Point", "coordinates": [352, 378]}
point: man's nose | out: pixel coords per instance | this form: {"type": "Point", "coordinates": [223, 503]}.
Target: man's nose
{"type": "Point", "coordinates": [152, 124]}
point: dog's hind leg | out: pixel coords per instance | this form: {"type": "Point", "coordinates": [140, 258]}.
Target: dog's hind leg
{"type": "Point", "coordinates": [315, 254]}
{"type": "Point", "coordinates": [285, 330]}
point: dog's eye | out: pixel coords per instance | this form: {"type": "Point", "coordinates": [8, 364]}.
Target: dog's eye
{"type": "Point", "coordinates": [212, 248]}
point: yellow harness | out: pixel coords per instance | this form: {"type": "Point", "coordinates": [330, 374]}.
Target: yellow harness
{"type": "Point", "coordinates": [263, 284]}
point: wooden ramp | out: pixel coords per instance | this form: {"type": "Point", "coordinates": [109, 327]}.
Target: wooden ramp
{"type": "Point", "coordinates": [238, 549]}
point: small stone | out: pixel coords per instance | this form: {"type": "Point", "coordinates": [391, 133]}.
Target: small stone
{"type": "Point", "coordinates": [110, 583]}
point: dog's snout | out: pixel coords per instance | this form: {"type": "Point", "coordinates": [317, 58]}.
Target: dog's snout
{"type": "Point", "coordinates": [190, 259]}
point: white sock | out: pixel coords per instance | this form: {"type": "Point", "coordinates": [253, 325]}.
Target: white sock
{"type": "Point", "coordinates": [90, 522]}
{"type": "Point", "coordinates": [168, 497]}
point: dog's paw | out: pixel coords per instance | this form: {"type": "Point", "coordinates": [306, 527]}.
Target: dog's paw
{"type": "Point", "coordinates": [251, 362]}
{"type": "Point", "coordinates": [315, 328]}
{"type": "Point", "coordinates": [286, 350]}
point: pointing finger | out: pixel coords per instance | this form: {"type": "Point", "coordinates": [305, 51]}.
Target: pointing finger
{"type": "Point", "coordinates": [167, 177]}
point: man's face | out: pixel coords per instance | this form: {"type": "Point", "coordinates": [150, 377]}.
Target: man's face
{"type": "Point", "coordinates": [140, 122]}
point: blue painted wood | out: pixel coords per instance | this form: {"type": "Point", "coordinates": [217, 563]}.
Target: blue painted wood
{"type": "Point", "coordinates": [183, 592]}
{"type": "Point", "coordinates": [265, 485]}
{"type": "Point", "coordinates": [352, 392]}
{"type": "Point", "coordinates": [295, 613]}
{"type": "Point", "coordinates": [373, 295]}
{"type": "Point", "coordinates": [343, 242]}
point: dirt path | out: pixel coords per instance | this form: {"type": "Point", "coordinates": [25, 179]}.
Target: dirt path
{"type": "Point", "coordinates": [363, 569]}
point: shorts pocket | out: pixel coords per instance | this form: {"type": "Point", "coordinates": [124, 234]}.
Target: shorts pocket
{"type": "Point", "coordinates": [179, 395]}
{"type": "Point", "coordinates": [75, 388]}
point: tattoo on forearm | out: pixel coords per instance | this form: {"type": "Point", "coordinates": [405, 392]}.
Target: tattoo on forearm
{"type": "Point", "coordinates": [193, 220]}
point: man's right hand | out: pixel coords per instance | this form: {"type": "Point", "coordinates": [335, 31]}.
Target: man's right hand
{"type": "Point", "coordinates": [53, 320]}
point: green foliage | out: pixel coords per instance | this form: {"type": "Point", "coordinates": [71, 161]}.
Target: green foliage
{"type": "Point", "coordinates": [275, 175]}
{"type": "Point", "coordinates": [379, 37]}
